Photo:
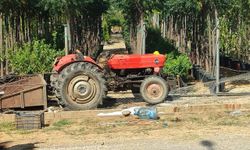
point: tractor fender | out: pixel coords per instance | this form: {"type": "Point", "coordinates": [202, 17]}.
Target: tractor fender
{"type": "Point", "coordinates": [62, 62]}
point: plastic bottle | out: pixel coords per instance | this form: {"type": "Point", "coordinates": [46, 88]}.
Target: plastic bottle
{"type": "Point", "coordinates": [147, 113]}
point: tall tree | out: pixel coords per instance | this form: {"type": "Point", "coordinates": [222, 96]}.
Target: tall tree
{"type": "Point", "coordinates": [135, 12]}
{"type": "Point", "coordinates": [25, 20]}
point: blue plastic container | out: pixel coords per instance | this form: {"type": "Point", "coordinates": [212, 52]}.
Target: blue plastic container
{"type": "Point", "coordinates": [147, 113]}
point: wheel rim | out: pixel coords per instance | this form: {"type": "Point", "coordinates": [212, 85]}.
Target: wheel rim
{"type": "Point", "coordinates": [82, 89]}
{"type": "Point", "coordinates": [154, 91]}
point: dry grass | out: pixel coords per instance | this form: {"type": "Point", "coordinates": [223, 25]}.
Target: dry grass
{"type": "Point", "coordinates": [174, 127]}
{"type": "Point", "coordinates": [7, 127]}
{"type": "Point", "coordinates": [238, 86]}
{"type": "Point", "coordinates": [132, 125]}
{"type": "Point", "coordinates": [10, 129]}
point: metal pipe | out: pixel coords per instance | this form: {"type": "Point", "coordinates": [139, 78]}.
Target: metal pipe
{"type": "Point", "coordinates": [66, 40]}
{"type": "Point", "coordinates": [209, 95]}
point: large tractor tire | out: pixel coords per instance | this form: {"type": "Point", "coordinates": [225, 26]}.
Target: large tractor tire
{"type": "Point", "coordinates": [154, 90]}
{"type": "Point", "coordinates": [81, 86]}
{"type": "Point", "coordinates": [54, 84]}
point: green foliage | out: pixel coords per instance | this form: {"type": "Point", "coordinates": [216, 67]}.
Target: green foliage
{"type": "Point", "coordinates": [229, 42]}
{"type": "Point", "coordinates": [177, 64]}
{"type": "Point", "coordinates": [75, 7]}
{"type": "Point", "coordinates": [35, 57]}
{"type": "Point", "coordinates": [180, 7]}
{"type": "Point", "coordinates": [234, 23]}
{"type": "Point", "coordinates": [155, 41]}
{"type": "Point", "coordinates": [105, 30]}
{"type": "Point", "coordinates": [113, 17]}
{"type": "Point", "coordinates": [234, 19]}
{"type": "Point", "coordinates": [40, 18]}
{"type": "Point", "coordinates": [126, 33]}
{"type": "Point", "coordinates": [62, 123]}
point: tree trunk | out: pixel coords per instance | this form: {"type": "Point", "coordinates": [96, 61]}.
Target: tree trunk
{"type": "Point", "coordinates": [171, 27]}
{"type": "Point", "coordinates": [6, 54]}
{"type": "Point", "coordinates": [185, 32]}
{"type": "Point", "coordinates": [210, 54]}
{"type": "Point", "coordinates": [155, 20]}
{"type": "Point", "coordinates": [163, 28]}
{"type": "Point", "coordinates": [240, 40]}
{"type": "Point", "coordinates": [133, 40]}
{"type": "Point", "coordinates": [1, 43]}
{"type": "Point", "coordinates": [140, 37]}
{"type": "Point", "coordinates": [176, 35]}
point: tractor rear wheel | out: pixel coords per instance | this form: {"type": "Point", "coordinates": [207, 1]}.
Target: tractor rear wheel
{"type": "Point", "coordinates": [54, 84]}
{"type": "Point", "coordinates": [154, 89]}
{"type": "Point", "coordinates": [81, 86]}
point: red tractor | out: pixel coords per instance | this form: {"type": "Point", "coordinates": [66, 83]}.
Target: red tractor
{"type": "Point", "coordinates": [80, 83]}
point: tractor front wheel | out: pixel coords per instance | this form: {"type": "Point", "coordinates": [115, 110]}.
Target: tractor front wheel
{"type": "Point", "coordinates": [81, 86]}
{"type": "Point", "coordinates": [154, 89]}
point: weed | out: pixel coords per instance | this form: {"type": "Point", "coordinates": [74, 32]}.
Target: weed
{"type": "Point", "coordinates": [213, 118]}
{"type": "Point", "coordinates": [229, 122]}
{"type": "Point", "coordinates": [197, 120]}
{"type": "Point", "coordinates": [7, 127]}
{"type": "Point", "coordinates": [59, 125]}
{"type": "Point", "coordinates": [75, 132]}
{"type": "Point", "coordinates": [62, 123]}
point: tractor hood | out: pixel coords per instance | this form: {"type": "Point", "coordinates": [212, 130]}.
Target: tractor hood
{"type": "Point", "coordinates": [136, 61]}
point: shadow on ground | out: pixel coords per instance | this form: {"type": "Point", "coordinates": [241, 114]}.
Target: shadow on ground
{"type": "Point", "coordinates": [111, 103]}
{"type": "Point", "coordinates": [28, 146]}
{"type": "Point", "coordinates": [115, 102]}
{"type": "Point", "coordinates": [209, 145]}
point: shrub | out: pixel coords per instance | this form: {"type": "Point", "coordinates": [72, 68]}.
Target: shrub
{"type": "Point", "coordinates": [177, 64]}
{"type": "Point", "coordinates": [35, 57]}
{"type": "Point", "coordinates": [155, 41]}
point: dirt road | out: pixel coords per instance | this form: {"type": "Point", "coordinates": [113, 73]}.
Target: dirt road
{"type": "Point", "coordinates": [217, 142]}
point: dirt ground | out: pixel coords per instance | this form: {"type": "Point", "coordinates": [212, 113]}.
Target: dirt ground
{"type": "Point", "coordinates": [221, 130]}
{"type": "Point", "coordinates": [216, 130]}
{"type": "Point", "coordinates": [116, 43]}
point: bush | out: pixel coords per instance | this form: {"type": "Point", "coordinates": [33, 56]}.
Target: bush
{"type": "Point", "coordinates": [177, 64]}
{"type": "Point", "coordinates": [155, 41]}
{"type": "Point", "coordinates": [35, 57]}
